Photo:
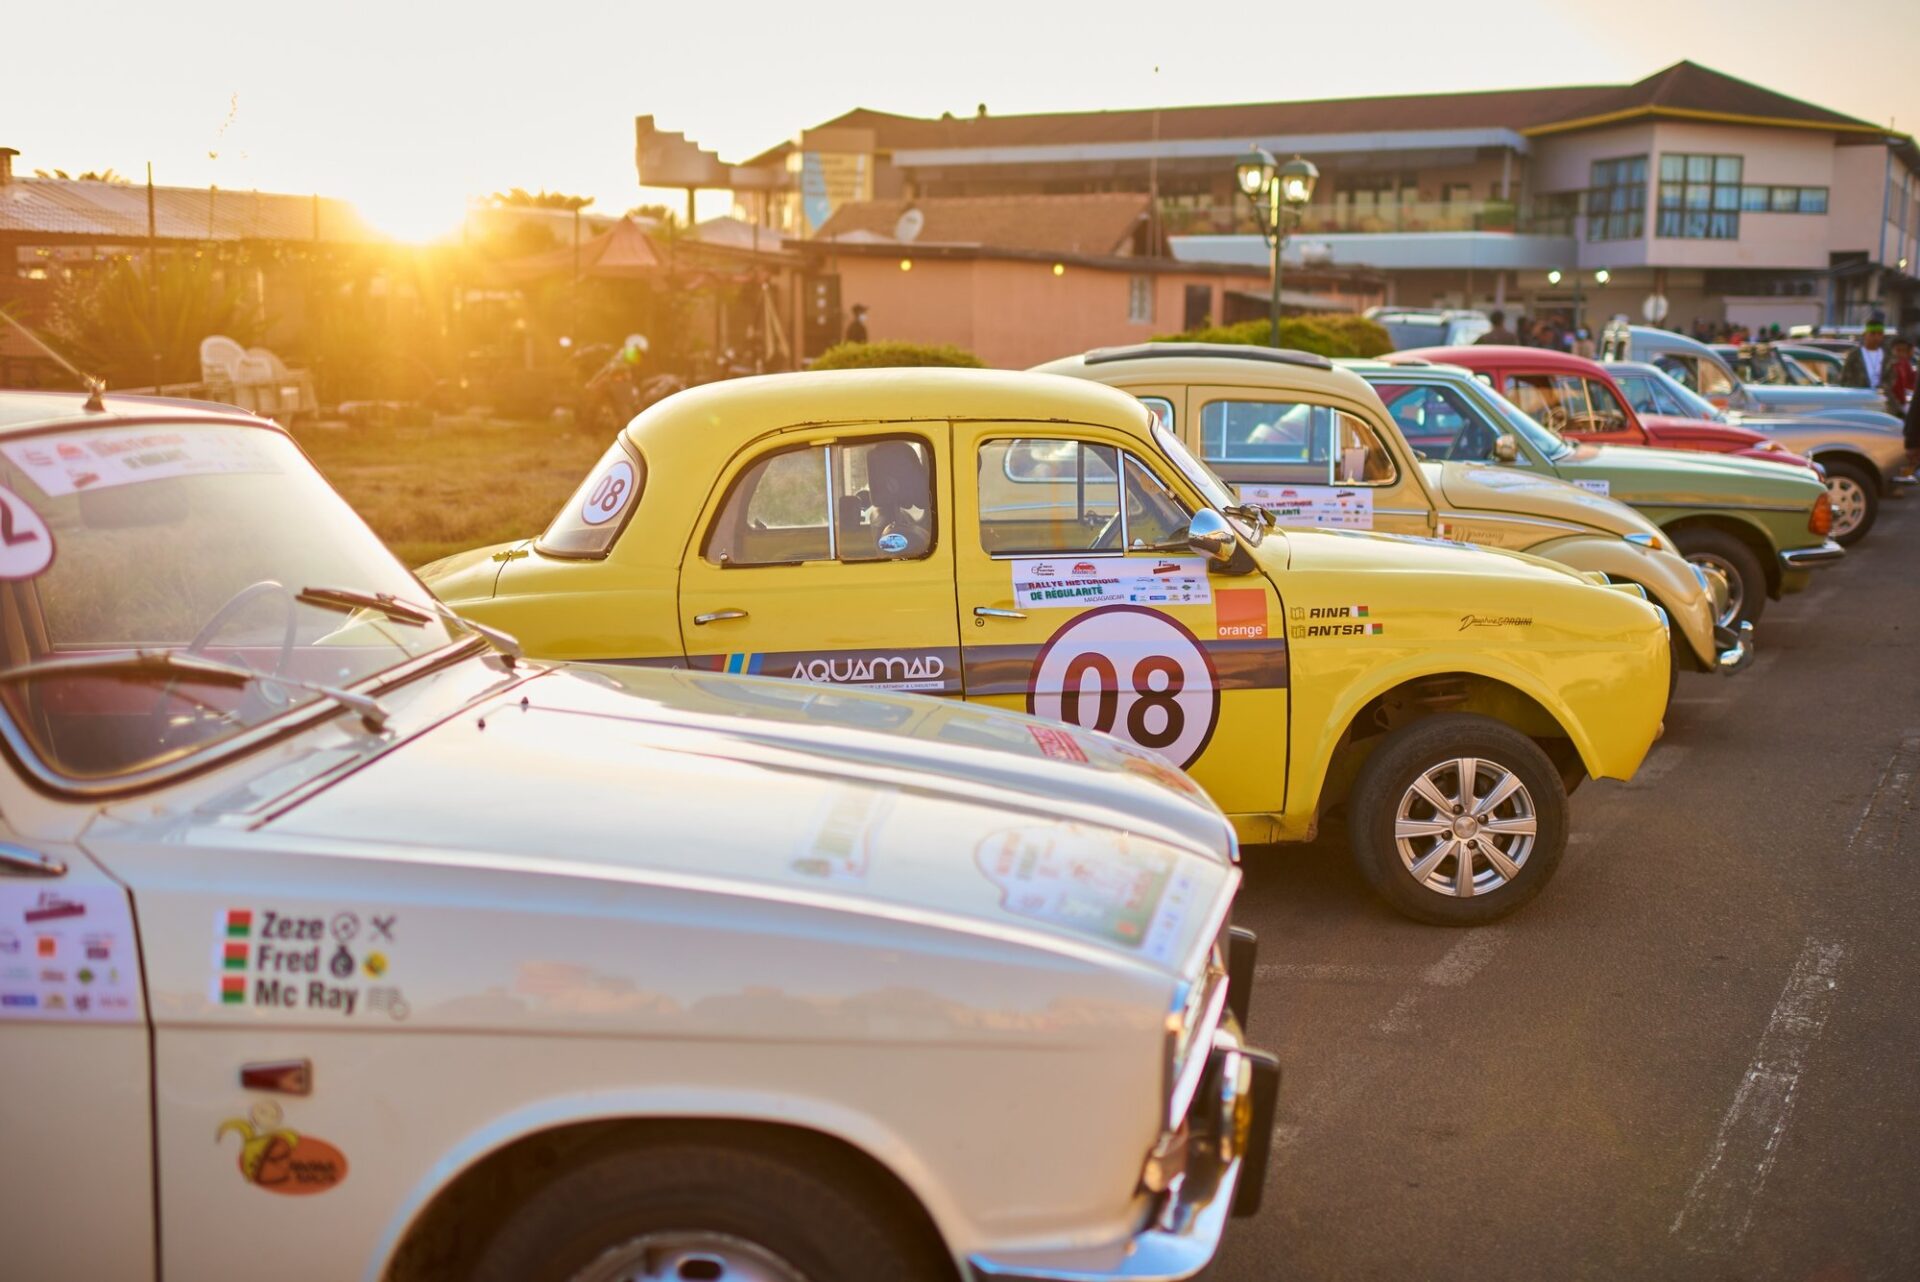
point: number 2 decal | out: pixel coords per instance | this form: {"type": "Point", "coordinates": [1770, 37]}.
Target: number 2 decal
{"type": "Point", "coordinates": [1130, 671]}
{"type": "Point", "coordinates": [26, 544]}
{"type": "Point", "coordinates": [609, 494]}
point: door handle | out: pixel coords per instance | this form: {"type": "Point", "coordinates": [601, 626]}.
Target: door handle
{"type": "Point", "coordinates": [715, 617]}
{"type": "Point", "coordinates": [20, 862]}
{"type": "Point", "coordinates": [994, 612]}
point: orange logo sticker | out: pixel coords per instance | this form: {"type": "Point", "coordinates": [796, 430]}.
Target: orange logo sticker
{"type": "Point", "coordinates": [281, 1160]}
{"type": "Point", "coordinates": [1240, 613]}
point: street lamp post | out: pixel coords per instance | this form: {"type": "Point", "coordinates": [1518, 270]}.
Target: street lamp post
{"type": "Point", "coordinates": [1600, 277]}
{"type": "Point", "coordinates": [1275, 191]}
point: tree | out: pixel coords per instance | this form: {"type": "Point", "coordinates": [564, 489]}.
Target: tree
{"type": "Point", "coordinates": [521, 198]}
{"type": "Point", "coordinates": [103, 317]}
{"type": "Point", "coordinates": [89, 176]}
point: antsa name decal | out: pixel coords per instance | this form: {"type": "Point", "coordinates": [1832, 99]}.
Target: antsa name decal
{"type": "Point", "coordinates": [1320, 621]}
{"type": "Point", "coordinates": [295, 962]}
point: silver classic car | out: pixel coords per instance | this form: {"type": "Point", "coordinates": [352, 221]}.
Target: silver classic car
{"type": "Point", "coordinates": [1708, 372]}
{"type": "Point", "coordinates": [1860, 458]}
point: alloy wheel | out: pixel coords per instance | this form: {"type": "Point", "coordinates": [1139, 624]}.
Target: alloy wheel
{"type": "Point", "coordinates": [1849, 499]}
{"type": "Point", "coordinates": [1465, 827]}
{"type": "Point", "coordinates": [692, 1255]}
{"type": "Point", "coordinates": [1736, 586]}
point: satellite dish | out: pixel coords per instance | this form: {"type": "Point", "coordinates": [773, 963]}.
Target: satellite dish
{"type": "Point", "coordinates": [909, 227]}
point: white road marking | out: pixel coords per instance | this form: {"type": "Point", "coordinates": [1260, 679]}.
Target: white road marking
{"type": "Point", "coordinates": [1323, 973]}
{"type": "Point", "coordinates": [1892, 796]}
{"type": "Point", "coordinates": [1454, 970]}
{"type": "Point", "coordinates": [1718, 1209]}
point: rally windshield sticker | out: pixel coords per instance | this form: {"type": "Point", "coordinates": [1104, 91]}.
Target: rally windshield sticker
{"type": "Point", "coordinates": [1342, 507]}
{"type": "Point", "coordinates": [76, 461]}
{"type": "Point", "coordinates": [332, 964]}
{"type": "Point", "coordinates": [26, 544]}
{"type": "Point", "coordinates": [67, 955]}
{"type": "Point", "coordinates": [1069, 582]}
{"type": "Point", "coordinates": [838, 845]}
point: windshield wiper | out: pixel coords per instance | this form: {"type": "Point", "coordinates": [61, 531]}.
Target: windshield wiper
{"type": "Point", "coordinates": [176, 663]}
{"type": "Point", "coordinates": [416, 615]}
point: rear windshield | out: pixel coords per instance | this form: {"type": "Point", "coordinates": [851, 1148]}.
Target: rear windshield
{"type": "Point", "coordinates": [596, 513]}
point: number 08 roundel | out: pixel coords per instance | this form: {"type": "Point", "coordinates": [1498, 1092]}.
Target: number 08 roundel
{"type": "Point", "coordinates": [1132, 672]}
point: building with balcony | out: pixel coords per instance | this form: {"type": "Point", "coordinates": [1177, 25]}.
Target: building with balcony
{"type": "Point", "coordinates": [1722, 199]}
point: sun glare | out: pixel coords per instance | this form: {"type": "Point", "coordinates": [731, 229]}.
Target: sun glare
{"type": "Point", "coordinates": [412, 217]}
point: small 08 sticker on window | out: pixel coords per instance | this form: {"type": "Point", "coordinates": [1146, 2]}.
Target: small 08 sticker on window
{"type": "Point", "coordinates": [592, 519]}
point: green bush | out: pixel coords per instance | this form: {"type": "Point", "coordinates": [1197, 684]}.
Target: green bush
{"type": "Point", "coordinates": [1330, 335]}
{"type": "Point", "coordinates": [892, 355]}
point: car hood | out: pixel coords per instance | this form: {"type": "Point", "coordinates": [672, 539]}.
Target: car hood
{"type": "Point", "coordinates": [888, 804]}
{"type": "Point", "coordinates": [1485, 488]}
{"type": "Point", "coordinates": [1733, 438]}
{"type": "Point", "coordinates": [1813, 400]}
{"type": "Point", "coordinates": [1359, 551]}
{"type": "Point", "coordinates": [1686, 477]}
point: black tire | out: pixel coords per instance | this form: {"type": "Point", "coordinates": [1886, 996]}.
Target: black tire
{"type": "Point", "coordinates": [1434, 743]}
{"type": "Point", "coordinates": [825, 1223]}
{"type": "Point", "coordinates": [1746, 578]}
{"type": "Point", "coordinates": [1868, 485]}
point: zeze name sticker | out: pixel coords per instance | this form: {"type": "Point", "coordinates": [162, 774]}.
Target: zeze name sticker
{"type": "Point", "coordinates": [26, 544]}
{"type": "Point", "coordinates": [1131, 672]}
{"type": "Point", "coordinates": [610, 494]}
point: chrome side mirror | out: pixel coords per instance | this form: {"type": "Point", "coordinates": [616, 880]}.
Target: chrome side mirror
{"type": "Point", "coordinates": [1210, 535]}
{"type": "Point", "coordinates": [1505, 450]}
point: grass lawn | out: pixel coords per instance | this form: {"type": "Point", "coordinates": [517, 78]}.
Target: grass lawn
{"type": "Point", "coordinates": [429, 491]}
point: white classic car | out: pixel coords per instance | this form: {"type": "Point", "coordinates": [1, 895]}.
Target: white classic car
{"type": "Point", "coordinates": [338, 942]}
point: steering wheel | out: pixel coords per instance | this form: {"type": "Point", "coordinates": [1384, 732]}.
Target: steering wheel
{"type": "Point", "coordinates": [260, 695]}
{"type": "Point", "coordinates": [1556, 418]}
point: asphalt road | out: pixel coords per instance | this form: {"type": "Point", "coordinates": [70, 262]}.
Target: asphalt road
{"type": "Point", "coordinates": [1696, 1055]}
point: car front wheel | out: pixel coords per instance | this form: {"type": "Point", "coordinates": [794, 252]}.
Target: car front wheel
{"type": "Point", "coordinates": [1746, 580]}
{"type": "Point", "coordinates": [1856, 502]}
{"type": "Point", "coordinates": [681, 1210]}
{"type": "Point", "coordinates": [1458, 819]}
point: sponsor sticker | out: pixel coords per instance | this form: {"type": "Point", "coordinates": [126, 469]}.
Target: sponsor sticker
{"type": "Point", "coordinates": [1057, 583]}
{"type": "Point", "coordinates": [1495, 621]}
{"type": "Point", "coordinates": [838, 845]}
{"type": "Point", "coordinates": [1133, 672]}
{"type": "Point", "coordinates": [1240, 613]}
{"type": "Point", "coordinates": [1603, 488]}
{"type": "Point", "coordinates": [301, 961]}
{"type": "Point", "coordinates": [73, 970]}
{"type": "Point", "coordinates": [1088, 882]}
{"type": "Point", "coordinates": [279, 1159]}
{"type": "Point", "coordinates": [1341, 506]}
{"type": "Point", "coordinates": [1312, 621]}
{"type": "Point", "coordinates": [1057, 743]}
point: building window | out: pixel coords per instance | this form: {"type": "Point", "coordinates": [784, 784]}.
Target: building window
{"type": "Point", "coordinates": [1140, 300]}
{"type": "Point", "coordinates": [1783, 200]}
{"type": "Point", "coordinates": [1700, 197]}
{"type": "Point", "coordinates": [1617, 199]}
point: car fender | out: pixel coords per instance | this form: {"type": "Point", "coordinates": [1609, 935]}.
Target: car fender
{"type": "Point", "coordinates": [1666, 577]}
{"type": "Point", "coordinates": [665, 1102]}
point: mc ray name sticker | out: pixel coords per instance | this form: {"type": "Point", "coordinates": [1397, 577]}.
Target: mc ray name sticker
{"type": "Point", "coordinates": [1133, 672]}
{"type": "Point", "coordinates": [26, 544]}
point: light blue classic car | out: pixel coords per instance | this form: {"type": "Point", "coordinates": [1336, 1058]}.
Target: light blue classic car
{"type": "Point", "coordinates": [1708, 372]}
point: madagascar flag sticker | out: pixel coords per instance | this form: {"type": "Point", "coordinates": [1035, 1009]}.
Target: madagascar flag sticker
{"type": "Point", "coordinates": [233, 990]}
{"type": "Point", "coordinates": [239, 923]}
{"type": "Point", "coordinates": [233, 957]}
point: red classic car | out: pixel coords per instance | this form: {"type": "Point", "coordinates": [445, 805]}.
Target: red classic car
{"type": "Point", "coordinates": [1578, 398]}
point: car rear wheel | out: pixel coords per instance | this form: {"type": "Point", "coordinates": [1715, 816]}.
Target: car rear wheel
{"type": "Point", "coordinates": [1746, 580]}
{"type": "Point", "coordinates": [1856, 502]}
{"type": "Point", "coordinates": [682, 1210]}
{"type": "Point", "coordinates": [1458, 819]}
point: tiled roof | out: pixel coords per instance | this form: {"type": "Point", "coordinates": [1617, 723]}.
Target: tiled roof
{"type": "Point", "coordinates": [1098, 224]}
{"type": "Point", "coordinates": [118, 211]}
{"type": "Point", "coordinates": [1684, 87]}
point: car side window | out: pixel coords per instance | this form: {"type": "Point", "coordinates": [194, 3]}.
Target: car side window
{"type": "Point", "coordinates": [864, 501]}
{"type": "Point", "coordinates": [1290, 441]}
{"type": "Point", "coordinates": [1042, 496]}
{"type": "Point", "coordinates": [1713, 380]}
{"type": "Point", "coordinates": [1439, 423]}
{"type": "Point", "coordinates": [1680, 371]}
{"type": "Point", "coordinates": [1641, 394]}
{"type": "Point", "coordinates": [1604, 412]}
{"type": "Point", "coordinates": [1557, 400]}
{"type": "Point", "coordinates": [1156, 518]}
{"type": "Point", "coordinates": [1164, 408]}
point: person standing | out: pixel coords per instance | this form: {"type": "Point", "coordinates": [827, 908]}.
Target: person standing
{"type": "Point", "coordinates": [1864, 364]}
{"type": "Point", "coordinates": [1897, 380]}
{"type": "Point", "coordinates": [857, 328]}
{"type": "Point", "coordinates": [1499, 335]}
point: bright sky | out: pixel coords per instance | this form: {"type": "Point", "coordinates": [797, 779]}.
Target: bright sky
{"type": "Point", "coordinates": [409, 107]}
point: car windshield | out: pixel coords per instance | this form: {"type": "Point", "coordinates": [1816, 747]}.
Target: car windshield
{"type": "Point", "coordinates": [170, 587]}
{"type": "Point", "coordinates": [1408, 332]}
{"type": "Point", "coordinates": [1198, 474]}
{"type": "Point", "coordinates": [1691, 403]}
{"type": "Point", "coordinates": [1541, 437]}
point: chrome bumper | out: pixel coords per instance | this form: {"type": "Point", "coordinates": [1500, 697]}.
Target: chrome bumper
{"type": "Point", "coordinates": [1190, 1218]}
{"type": "Point", "coordinates": [1735, 645]}
{"type": "Point", "coordinates": [1809, 558]}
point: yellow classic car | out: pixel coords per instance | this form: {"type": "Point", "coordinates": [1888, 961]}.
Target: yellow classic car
{"type": "Point", "coordinates": [1312, 443]}
{"type": "Point", "coordinates": [1044, 545]}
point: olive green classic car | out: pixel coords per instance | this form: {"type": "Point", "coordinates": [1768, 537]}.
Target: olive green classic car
{"type": "Point", "coordinates": [1764, 526]}
{"type": "Point", "coordinates": [1268, 422]}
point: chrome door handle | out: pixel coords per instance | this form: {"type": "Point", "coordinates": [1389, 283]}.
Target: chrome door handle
{"type": "Point", "coordinates": [717, 616]}
{"type": "Point", "coordinates": [19, 861]}
{"type": "Point", "coordinates": [994, 612]}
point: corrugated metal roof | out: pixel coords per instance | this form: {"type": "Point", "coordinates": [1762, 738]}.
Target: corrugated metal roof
{"type": "Point", "coordinates": [117, 211]}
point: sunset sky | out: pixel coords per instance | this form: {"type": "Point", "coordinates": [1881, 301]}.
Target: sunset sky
{"type": "Point", "coordinates": [410, 108]}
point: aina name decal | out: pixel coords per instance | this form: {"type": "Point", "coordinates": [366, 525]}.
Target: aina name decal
{"type": "Point", "coordinates": [1334, 621]}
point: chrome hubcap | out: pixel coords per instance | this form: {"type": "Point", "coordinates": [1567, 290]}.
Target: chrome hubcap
{"type": "Point", "coordinates": [690, 1255]}
{"type": "Point", "coordinates": [1465, 827]}
{"type": "Point", "coordinates": [1849, 500]}
{"type": "Point", "coordinates": [1736, 587]}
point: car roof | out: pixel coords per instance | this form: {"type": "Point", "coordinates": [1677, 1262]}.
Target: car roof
{"type": "Point", "coordinates": [1503, 354]}
{"type": "Point", "coordinates": [1203, 362]}
{"type": "Point", "coordinates": [25, 410]}
{"type": "Point", "coordinates": [741, 409]}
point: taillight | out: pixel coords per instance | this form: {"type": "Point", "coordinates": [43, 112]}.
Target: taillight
{"type": "Point", "coordinates": [1820, 520]}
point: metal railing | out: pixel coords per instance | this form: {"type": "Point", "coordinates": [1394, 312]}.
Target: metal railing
{"type": "Point", "coordinates": [1180, 218]}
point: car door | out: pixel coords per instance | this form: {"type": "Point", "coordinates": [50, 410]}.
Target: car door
{"type": "Point", "coordinates": [826, 556]}
{"type": "Point", "coordinates": [76, 1120]}
{"type": "Point", "coordinates": [1082, 603]}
